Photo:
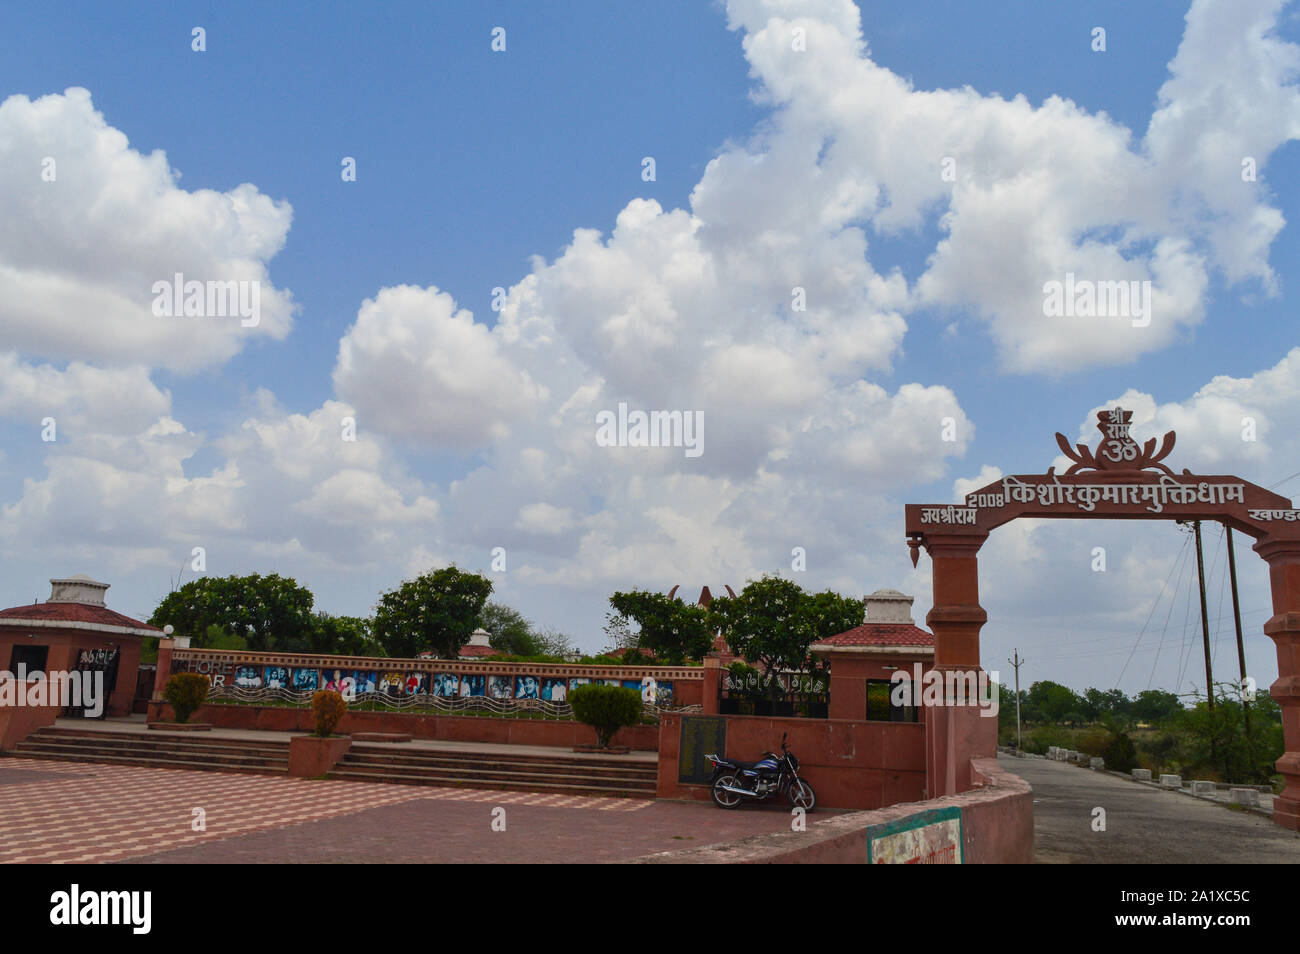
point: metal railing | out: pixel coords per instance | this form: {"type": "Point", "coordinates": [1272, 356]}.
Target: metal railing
{"type": "Point", "coordinates": [422, 701]}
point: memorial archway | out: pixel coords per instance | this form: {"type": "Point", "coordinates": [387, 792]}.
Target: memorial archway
{"type": "Point", "coordinates": [1119, 480]}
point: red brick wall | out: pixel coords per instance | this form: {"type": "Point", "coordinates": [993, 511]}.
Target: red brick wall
{"type": "Point", "coordinates": [849, 764]}
{"type": "Point", "coordinates": [444, 727]}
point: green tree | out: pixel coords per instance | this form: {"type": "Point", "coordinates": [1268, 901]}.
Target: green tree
{"type": "Point", "coordinates": [267, 612]}
{"type": "Point", "coordinates": [341, 636]}
{"type": "Point", "coordinates": [675, 630]}
{"type": "Point", "coordinates": [510, 632]}
{"type": "Point", "coordinates": [618, 632]}
{"type": "Point", "coordinates": [772, 621]}
{"type": "Point", "coordinates": [1154, 706]}
{"type": "Point", "coordinates": [436, 611]}
{"type": "Point", "coordinates": [1218, 740]}
{"type": "Point", "coordinates": [216, 637]}
{"type": "Point", "coordinates": [1052, 702]}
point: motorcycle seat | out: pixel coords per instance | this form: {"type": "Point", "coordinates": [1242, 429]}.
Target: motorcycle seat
{"type": "Point", "coordinates": [736, 763]}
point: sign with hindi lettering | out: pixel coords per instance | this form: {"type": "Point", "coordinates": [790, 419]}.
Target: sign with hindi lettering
{"type": "Point", "coordinates": [928, 838]}
{"type": "Point", "coordinates": [1119, 479]}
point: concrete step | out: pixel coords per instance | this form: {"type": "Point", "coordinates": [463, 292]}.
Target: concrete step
{"type": "Point", "coordinates": [511, 758]}
{"type": "Point", "coordinates": [153, 744]}
{"type": "Point", "coordinates": [552, 788]}
{"type": "Point", "coordinates": [196, 738]}
{"type": "Point", "coordinates": [38, 750]}
{"type": "Point", "coordinates": [151, 762]}
{"type": "Point", "coordinates": [470, 776]}
{"type": "Point", "coordinates": [493, 765]}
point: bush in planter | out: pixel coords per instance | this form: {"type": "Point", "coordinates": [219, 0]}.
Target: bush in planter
{"type": "Point", "coordinates": [328, 707]}
{"type": "Point", "coordinates": [185, 692]}
{"type": "Point", "coordinates": [606, 709]}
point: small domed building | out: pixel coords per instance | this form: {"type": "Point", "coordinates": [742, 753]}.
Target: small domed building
{"type": "Point", "coordinates": [74, 630]}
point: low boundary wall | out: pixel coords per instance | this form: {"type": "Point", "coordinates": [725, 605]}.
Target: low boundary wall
{"type": "Point", "coordinates": [850, 764]}
{"type": "Point", "coordinates": [996, 825]}
{"type": "Point", "coordinates": [445, 727]}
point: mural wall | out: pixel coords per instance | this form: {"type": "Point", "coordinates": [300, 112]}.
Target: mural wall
{"type": "Point", "coordinates": [357, 684]}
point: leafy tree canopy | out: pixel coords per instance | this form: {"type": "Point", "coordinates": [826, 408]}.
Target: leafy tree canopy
{"type": "Point", "coordinates": [267, 612]}
{"type": "Point", "coordinates": [675, 630]}
{"type": "Point", "coordinates": [436, 611]}
{"type": "Point", "coordinates": [772, 621]}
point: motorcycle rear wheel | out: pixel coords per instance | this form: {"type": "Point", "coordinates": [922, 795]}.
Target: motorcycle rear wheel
{"type": "Point", "coordinates": [801, 795]}
{"type": "Point", "coordinates": [723, 798]}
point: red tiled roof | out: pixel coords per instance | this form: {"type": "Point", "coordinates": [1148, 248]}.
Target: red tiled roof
{"type": "Point", "coordinates": [476, 651]}
{"type": "Point", "coordinates": [72, 613]}
{"type": "Point", "coordinates": [881, 634]}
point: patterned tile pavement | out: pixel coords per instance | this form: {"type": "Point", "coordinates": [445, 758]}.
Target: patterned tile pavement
{"type": "Point", "coordinates": [58, 812]}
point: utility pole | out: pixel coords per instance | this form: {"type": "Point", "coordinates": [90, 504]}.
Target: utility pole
{"type": "Point", "coordinates": [1017, 662]}
{"type": "Point", "coordinates": [1236, 618]}
{"type": "Point", "coordinates": [1205, 614]}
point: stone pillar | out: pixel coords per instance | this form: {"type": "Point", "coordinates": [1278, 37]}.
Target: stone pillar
{"type": "Point", "coordinates": [1283, 558]}
{"type": "Point", "coordinates": [955, 734]}
{"type": "Point", "coordinates": [712, 684]}
{"type": "Point", "coordinates": [164, 671]}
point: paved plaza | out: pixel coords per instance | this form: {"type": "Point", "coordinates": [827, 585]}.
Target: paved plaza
{"type": "Point", "coordinates": [60, 812]}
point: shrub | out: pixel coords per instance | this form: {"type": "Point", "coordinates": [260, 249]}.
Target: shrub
{"type": "Point", "coordinates": [1119, 753]}
{"type": "Point", "coordinates": [606, 709]}
{"type": "Point", "coordinates": [328, 707]}
{"type": "Point", "coordinates": [185, 691]}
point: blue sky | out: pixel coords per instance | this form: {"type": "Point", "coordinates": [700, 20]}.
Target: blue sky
{"type": "Point", "coordinates": [470, 162]}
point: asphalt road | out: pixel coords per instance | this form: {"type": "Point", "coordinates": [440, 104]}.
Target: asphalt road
{"type": "Point", "coordinates": [1144, 825]}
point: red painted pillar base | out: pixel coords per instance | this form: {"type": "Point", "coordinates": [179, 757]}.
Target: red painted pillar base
{"type": "Point", "coordinates": [1283, 558]}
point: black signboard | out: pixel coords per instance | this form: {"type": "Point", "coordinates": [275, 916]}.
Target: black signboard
{"type": "Point", "coordinates": [701, 736]}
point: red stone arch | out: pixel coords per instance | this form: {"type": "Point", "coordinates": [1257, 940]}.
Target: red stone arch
{"type": "Point", "coordinates": [1120, 480]}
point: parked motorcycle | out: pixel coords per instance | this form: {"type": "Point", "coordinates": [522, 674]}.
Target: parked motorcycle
{"type": "Point", "coordinates": [733, 782]}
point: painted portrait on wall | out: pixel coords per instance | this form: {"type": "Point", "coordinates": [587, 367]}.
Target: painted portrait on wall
{"type": "Point", "coordinates": [446, 685]}
{"type": "Point", "coordinates": [499, 687]}
{"type": "Point", "coordinates": [555, 690]}
{"type": "Point", "coordinates": [416, 682]}
{"type": "Point", "coordinates": [391, 683]}
{"type": "Point", "coordinates": [578, 681]}
{"type": "Point", "coordinates": [248, 677]}
{"type": "Point", "coordinates": [473, 685]}
{"type": "Point", "coordinates": [304, 680]}
{"type": "Point", "coordinates": [332, 680]}
{"type": "Point", "coordinates": [364, 681]}
{"type": "Point", "coordinates": [527, 687]}
{"type": "Point", "coordinates": [277, 677]}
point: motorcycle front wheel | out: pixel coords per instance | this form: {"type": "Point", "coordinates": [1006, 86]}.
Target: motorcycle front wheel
{"type": "Point", "coordinates": [723, 798]}
{"type": "Point", "coordinates": [801, 795]}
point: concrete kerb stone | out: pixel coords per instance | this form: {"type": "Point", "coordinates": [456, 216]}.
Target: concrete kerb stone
{"type": "Point", "coordinates": [1171, 781]}
{"type": "Point", "coordinates": [1249, 797]}
{"type": "Point", "coordinates": [1096, 763]}
{"type": "Point", "coordinates": [1203, 787]}
{"type": "Point", "coordinates": [1142, 775]}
